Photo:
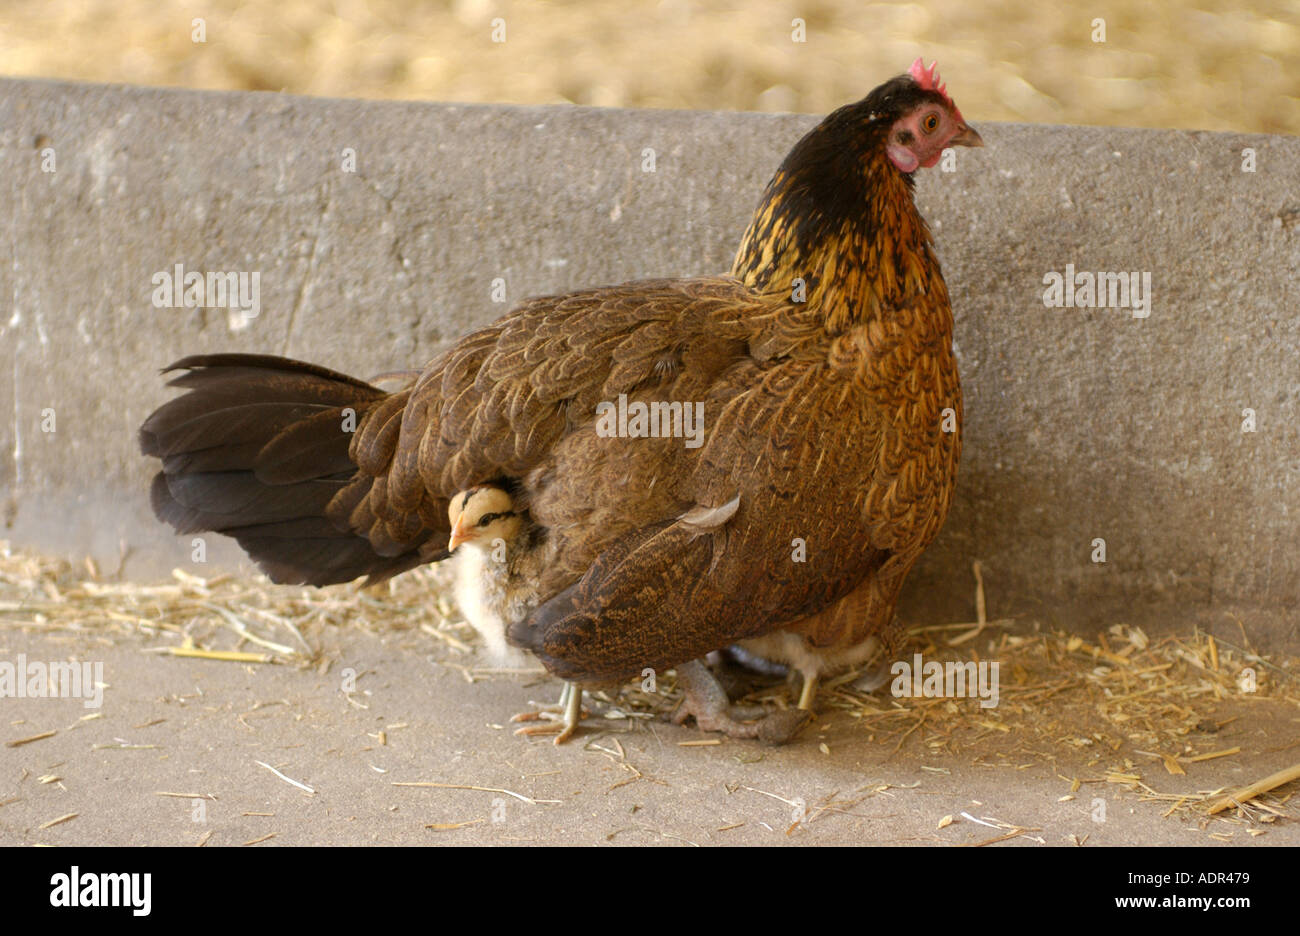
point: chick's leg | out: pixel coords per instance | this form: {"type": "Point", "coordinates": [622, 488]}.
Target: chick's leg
{"type": "Point", "coordinates": [707, 701]}
{"type": "Point", "coordinates": [560, 720]}
{"type": "Point", "coordinates": [809, 693]}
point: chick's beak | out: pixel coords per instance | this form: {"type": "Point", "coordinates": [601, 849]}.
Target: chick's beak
{"type": "Point", "coordinates": [967, 136]}
{"type": "Point", "coordinates": [459, 534]}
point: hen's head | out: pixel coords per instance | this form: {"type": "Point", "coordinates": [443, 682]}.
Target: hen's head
{"type": "Point", "coordinates": [481, 515]}
{"type": "Point", "coordinates": [908, 121]}
{"type": "Point", "coordinates": [923, 120]}
{"type": "Point", "coordinates": [842, 200]}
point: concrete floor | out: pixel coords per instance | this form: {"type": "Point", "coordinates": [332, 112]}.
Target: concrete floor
{"type": "Point", "coordinates": [201, 727]}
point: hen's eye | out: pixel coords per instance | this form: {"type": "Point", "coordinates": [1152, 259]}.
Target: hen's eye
{"type": "Point", "coordinates": [930, 123]}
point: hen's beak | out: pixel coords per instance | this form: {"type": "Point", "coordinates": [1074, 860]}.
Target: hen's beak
{"type": "Point", "coordinates": [967, 136]}
{"type": "Point", "coordinates": [459, 534]}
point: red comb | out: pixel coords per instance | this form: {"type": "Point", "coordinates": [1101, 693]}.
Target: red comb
{"type": "Point", "coordinates": [929, 80]}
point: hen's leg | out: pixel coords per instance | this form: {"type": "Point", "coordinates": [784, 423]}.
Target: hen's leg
{"type": "Point", "coordinates": [708, 702]}
{"type": "Point", "coordinates": [560, 720]}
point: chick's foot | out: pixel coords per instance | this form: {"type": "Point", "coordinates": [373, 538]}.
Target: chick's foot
{"type": "Point", "coordinates": [560, 720]}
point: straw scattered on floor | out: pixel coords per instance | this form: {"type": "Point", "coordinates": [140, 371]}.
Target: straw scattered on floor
{"type": "Point", "coordinates": [1142, 713]}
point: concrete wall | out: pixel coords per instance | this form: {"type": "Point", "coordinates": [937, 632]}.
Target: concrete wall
{"type": "Point", "coordinates": [1081, 423]}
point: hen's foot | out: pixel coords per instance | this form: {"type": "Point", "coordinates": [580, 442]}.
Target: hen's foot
{"type": "Point", "coordinates": [708, 703]}
{"type": "Point", "coordinates": [560, 720]}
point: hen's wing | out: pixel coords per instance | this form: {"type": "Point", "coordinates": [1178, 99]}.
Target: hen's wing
{"type": "Point", "coordinates": [498, 405]}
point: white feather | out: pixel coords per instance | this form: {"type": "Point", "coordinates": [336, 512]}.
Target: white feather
{"type": "Point", "coordinates": [707, 518]}
{"type": "Point", "coordinates": [477, 576]}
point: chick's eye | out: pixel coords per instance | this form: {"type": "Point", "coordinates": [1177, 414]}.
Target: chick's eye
{"type": "Point", "coordinates": [930, 123]}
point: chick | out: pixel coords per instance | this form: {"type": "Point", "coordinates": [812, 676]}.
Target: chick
{"type": "Point", "coordinates": [489, 587]}
{"type": "Point", "coordinates": [499, 554]}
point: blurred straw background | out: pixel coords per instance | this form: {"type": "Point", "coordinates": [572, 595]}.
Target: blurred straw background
{"type": "Point", "coordinates": [1192, 64]}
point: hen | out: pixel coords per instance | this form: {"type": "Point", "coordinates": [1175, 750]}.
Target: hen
{"type": "Point", "coordinates": [827, 406]}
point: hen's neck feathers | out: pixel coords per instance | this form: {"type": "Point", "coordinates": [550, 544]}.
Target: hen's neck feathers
{"type": "Point", "coordinates": [840, 217]}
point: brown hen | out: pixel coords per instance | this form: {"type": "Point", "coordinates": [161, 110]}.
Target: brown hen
{"type": "Point", "coordinates": [829, 443]}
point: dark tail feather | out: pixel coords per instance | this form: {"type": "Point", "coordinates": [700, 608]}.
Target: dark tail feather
{"type": "Point", "coordinates": [258, 449]}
